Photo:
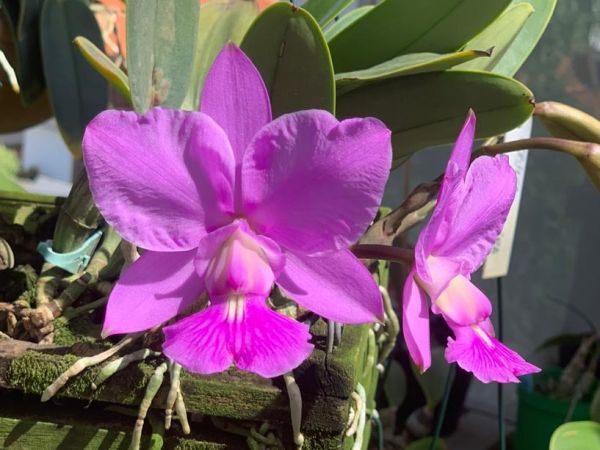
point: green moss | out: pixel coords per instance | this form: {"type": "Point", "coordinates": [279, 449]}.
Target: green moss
{"type": "Point", "coordinates": [79, 329]}
{"type": "Point", "coordinates": [188, 444]}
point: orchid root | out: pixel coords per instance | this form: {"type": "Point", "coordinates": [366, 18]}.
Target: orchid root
{"type": "Point", "coordinates": [392, 327]}
{"type": "Point", "coordinates": [81, 364]}
{"type": "Point", "coordinates": [151, 390]}
{"type": "Point", "coordinates": [182, 413]}
{"type": "Point", "coordinates": [120, 363]}
{"type": "Point", "coordinates": [174, 374]}
{"type": "Point", "coordinates": [295, 407]}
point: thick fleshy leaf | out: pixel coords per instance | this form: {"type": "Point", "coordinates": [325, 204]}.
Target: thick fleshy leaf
{"type": "Point", "coordinates": [161, 39]}
{"type": "Point", "coordinates": [500, 36]}
{"type": "Point", "coordinates": [462, 302]}
{"type": "Point", "coordinates": [104, 66]}
{"type": "Point", "coordinates": [486, 357]}
{"type": "Point", "coordinates": [260, 341]}
{"type": "Point", "coordinates": [289, 50]}
{"type": "Point", "coordinates": [336, 286]}
{"type": "Point", "coordinates": [415, 323]}
{"type": "Point", "coordinates": [156, 288]}
{"type": "Point", "coordinates": [477, 219]}
{"type": "Point", "coordinates": [528, 38]}
{"type": "Point", "coordinates": [399, 27]}
{"type": "Point", "coordinates": [345, 21]}
{"type": "Point", "coordinates": [427, 109]}
{"type": "Point", "coordinates": [235, 96]}
{"type": "Point", "coordinates": [405, 65]}
{"type": "Point", "coordinates": [141, 182]}
{"type": "Point", "coordinates": [324, 11]}
{"type": "Point", "coordinates": [309, 184]}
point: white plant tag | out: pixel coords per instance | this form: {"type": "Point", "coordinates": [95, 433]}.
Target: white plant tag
{"type": "Point", "coordinates": [498, 261]}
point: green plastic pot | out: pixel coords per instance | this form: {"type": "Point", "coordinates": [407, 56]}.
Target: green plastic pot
{"type": "Point", "coordinates": [539, 415]}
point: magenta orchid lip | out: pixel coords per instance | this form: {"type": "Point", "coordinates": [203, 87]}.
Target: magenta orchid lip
{"type": "Point", "coordinates": [229, 201]}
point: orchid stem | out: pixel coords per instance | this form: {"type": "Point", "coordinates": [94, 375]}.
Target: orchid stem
{"type": "Point", "coordinates": [81, 364]}
{"type": "Point", "coordinates": [151, 390]}
{"type": "Point", "coordinates": [443, 406]}
{"type": "Point", "coordinates": [71, 313]}
{"type": "Point", "coordinates": [385, 252]}
{"type": "Point", "coordinates": [575, 148]}
{"type": "Point", "coordinates": [295, 407]}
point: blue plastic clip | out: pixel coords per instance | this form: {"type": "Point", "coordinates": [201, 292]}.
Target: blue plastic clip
{"type": "Point", "coordinates": [74, 261]}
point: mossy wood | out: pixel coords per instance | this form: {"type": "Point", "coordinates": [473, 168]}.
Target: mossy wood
{"type": "Point", "coordinates": [326, 381]}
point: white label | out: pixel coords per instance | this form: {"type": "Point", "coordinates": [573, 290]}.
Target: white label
{"type": "Point", "coordinates": [498, 261]}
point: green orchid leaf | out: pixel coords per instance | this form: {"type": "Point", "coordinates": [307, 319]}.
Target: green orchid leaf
{"type": "Point", "coordinates": [429, 109]}
{"type": "Point", "coordinates": [287, 46]}
{"type": "Point", "coordinates": [324, 11]}
{"type": "Point", "coordinates": [583, 435]}
{"type": "Point", "coordinates": [104, 66]}
{"type": "Point", "coordinates": [404, 65]}
{"type": "Point", "coordinates": [220, 22]}
{"type": "Point", "coordinates": [161, 44]}
{"type": "Point", "coordinates": [345, 21]}
{"type": "Point", "coordinates": [399, 27]}
{"type": "Point", "coordinates": [77, 92]}
{"type": "Point", "coordinates": [527, 39]}
{"type": "Point", "coordinates": [500, 36]}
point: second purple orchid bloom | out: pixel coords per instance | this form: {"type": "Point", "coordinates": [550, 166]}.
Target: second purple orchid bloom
{"type": "Point", "coordinates": [227, 201]}
{"type": "Point", "coordinates": [471, 209]}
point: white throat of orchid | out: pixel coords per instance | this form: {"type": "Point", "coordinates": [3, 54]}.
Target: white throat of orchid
{"type": "Point", "coordinates": [239, 269]}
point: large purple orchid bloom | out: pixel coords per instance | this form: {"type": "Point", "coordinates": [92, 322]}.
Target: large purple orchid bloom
{"type": "Point", "coordinates": [471, 209]}
{"type": "Point", "coordinates": [227, 201]}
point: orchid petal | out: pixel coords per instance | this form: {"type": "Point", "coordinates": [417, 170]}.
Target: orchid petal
{"type": "Point", "coordinates": [314, 184]}
{"type": "Point", "coordinates": [487, 358]}
{"type": "Point", "coordinates": [273, 344]}
{"type": "Point", "coordinates": [235, 96]}
{"type": "Point", "coordinates": [336, 286]}
{"type": "Point", "coordinates": [463, 303]}
{"type": "Point", "coordinates": [415, 323]}
{"type": "Point", "coordinates": [154, 289]}
{"type": "Point", "coordinates": [264, 341]}
{"type": "Point", "coordinates": [142, 185]}
{"type": "Point", "coordinates": [489, 191]}
{"type": "Point", "coordinates": [449, 196]}
{"type": "Point", "coordinates": [439, 272]}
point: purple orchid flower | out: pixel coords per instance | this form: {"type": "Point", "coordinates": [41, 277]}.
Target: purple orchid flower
{"type": "Point", "coordinates": [227, 201]}
{"type": "Point", "coordinates": [471, 209]}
